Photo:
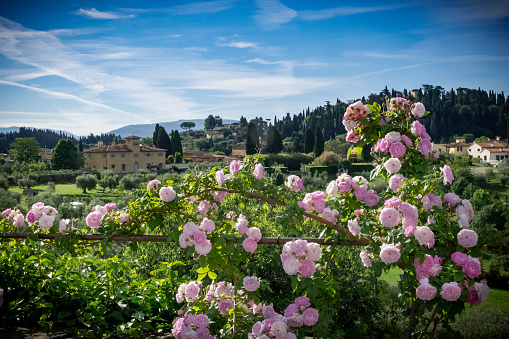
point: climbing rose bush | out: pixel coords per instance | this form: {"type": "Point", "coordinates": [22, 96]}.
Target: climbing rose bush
{"type": "Point", "coordinates": [415, 225]}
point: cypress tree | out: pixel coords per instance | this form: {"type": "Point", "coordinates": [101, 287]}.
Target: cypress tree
{"type": "Point", "coordinates": [252, 139]}
{"type": "Point", "coordinates": [163, 140]}
{"type": "Point", "coordinates": [176, 143]}
{"type": "Point", "coordinates": [80, 146]}
{"type": "Point", "coordinates": [155, 135]}
{"type": "Point", "coordinates": [274, 143]}
{"type": "Point", "coordinates": [319, 144]}
{"type": "Point", "coordinates": [309, 141]}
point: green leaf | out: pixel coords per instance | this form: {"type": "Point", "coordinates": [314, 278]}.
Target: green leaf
{"type": "Point", "coordinates": [138, 316]}
{"type": "Point", "coordinates": [202, 276]}
{"type": "Point", "coordinates": [202, 261]}
{"type": "Point", "coordinates": [202, 270]}
{"type": "Point", "coordinates": [459, 276]}
{"type": "Point", "coordinates": [212, 275]}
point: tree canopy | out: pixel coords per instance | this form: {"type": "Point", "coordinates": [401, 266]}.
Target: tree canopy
{"type": "Point", "coordinates": [66, 156]}
{"type": "Point", "coordinates": [187, 125]}
{"type": "Point", "coordinates": [26, 150]}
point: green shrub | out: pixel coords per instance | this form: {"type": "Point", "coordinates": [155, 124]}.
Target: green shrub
{"type": "Point", "coordinates": [358, 168]}
{"type": "Point", "coordinates": [290, 160]}
{"type": "Point", "coordinates": [327, 159]}
{"type": "Point", "coordinates": [322, 169]}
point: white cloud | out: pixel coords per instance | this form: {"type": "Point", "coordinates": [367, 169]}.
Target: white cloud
{"type": "Point", "coordinates": [241, 44]}
{"type": "Point", "coordinates": [95, 14]}
{"type": "Point", "coordinates": [272, 14]}
{"type": "Point", "coordinates": [196, 49]}
{"type": "Point", "coordinates": [202, 7]}
{"type": "Point", "coordinates": [341, 11]}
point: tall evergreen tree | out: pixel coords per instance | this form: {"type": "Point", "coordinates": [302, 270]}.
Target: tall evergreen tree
{"type": "Point", "coordinates": [273, 143]}
{"type": "Point", "coordinates": [176, 143]}
{"type": "Point", "coordinates": [66, 156]}
{"type": "Point", "coordinates": [163, 141]}
{"type": "Point", "coordinates": [80, 146]}
{"type": "Point", "coordinates": [319, 143]}
{"type": "Point", "coordinates": [210, 122]}
{"type": "Point", "coordinates": [252, 139]}
{"type": "Point", "coordinates": [309, 141]}
{"type": "Point", "coordinates": [155, 135]}
{"type": "Point", "coordinates": [296, 145]}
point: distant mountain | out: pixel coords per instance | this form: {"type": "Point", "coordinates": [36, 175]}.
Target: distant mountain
{"type": "Point", "coordinates": [146, 130]}
{"type": "Point", "coordinates": [16, 129]}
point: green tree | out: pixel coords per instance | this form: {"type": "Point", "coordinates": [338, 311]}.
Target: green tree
{"type": "Point", "coordinates": [210, 122]}
{"type": "Point", "coordinates": [163, 141]}
{"type": "Point", "coordinates": [252, 139]}
{"type": "Point", "coordinates": [176, 143]}
{"type": "Point", "coordinates": [219, 121]}
{"type": "Point", "coordinates": [155, 135]}
{"type": "Point", "coordinates": [319, 143]}
{"type": "Point", "coordinates": [178, 158]}
{"type": "Point", "coordinates": [187, 125]}
{"type": "Point", "coordinates": [86, 181]}
{"type": "Point", "coordinates": [66, 156]}
{"type": "Point", "coordinates": [25, 150]}
{"type": "Point", "coordinates": [147, 141]}
{"type": "Point", "coordinates": [309, 141]}
{"type": "Point", "coordinates": [109, 179]}
{"type": "Point", "coordinates": [80, 146]}
{"type": "Point", "coordinates": [296, 145]}
{"type": "Point", "coordinates": [131, 181]}
{"type": "Point", "coordinates": [480, 199]}
{"type": "Point", "coordinates": [273, 143]}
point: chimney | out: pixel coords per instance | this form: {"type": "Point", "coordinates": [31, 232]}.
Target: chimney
{"type": "Point", "coordinates": [497, 137]}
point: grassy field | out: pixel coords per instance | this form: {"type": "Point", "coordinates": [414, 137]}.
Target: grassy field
{"type": "Point", "coordinates": [496, 298]}
{"type": "Point", "coordinates": [75, 192]}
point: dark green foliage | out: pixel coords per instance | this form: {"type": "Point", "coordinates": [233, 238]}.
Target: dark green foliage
{"type": "Point", "coordinates": [176, 143]}
{"type": "Point", "coordinates": [86, 181]}
{"type": "Point", "coordinates": [292, 161]}
{"type": "Point", "coordinates": [319, 143]}
{"type": "Point", "coordinates": [309, 141]}
{"type": "Point", "coordinates": [155, 135]}
{"type": "Point", "coordinates": [4, 183]}
{"type": "Point", "coordinates": [26, 182]}
{"type": "Point", "coordinates": [25, 150]}
{"type": "Point", "coordinates": [80, 146]}
{"type": "Point", "coordinates": [8, 199]}
{"type": "Point", "coordinates": [131, 181]}
{"type": "Point", "coordinates": [322, 169]}
{"type": "Point", "coordinates": [66, 156]}
{"type": "Point", "coordinates": [109, 179]}
{"type": "Point", "coordinates": [297, 146]}
{"type": "Point", "coordinates": [252, 139]}
{"type": "Point", "coordinates": [178, 158]}
{"type": "Point", "coordinates": [492, 214]}
{"type": "Point", "coordinates": [273, 142]}
{"type": "Point", "coordinates": [163, 141]}
{"type": "Point", "coordinates": [187, 125]}
{"type": "Point", "coordinates": [210, 122]}
{"type": "Point", "coordinates": [170, 159]}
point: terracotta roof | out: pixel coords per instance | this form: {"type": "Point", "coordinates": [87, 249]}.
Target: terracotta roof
{"type": "Point", "coordinates": [145, 148]}
{"type": "Point", "coordinates": [132, 137]}
{"type": "Point", "coordinates": [109, 148]}
{"type": "Point", "coordinates": [458, 144]}
{"type": "Point", "coordinates": [489, 144]}
{"type": "Point", "coordinates": [496, 149]}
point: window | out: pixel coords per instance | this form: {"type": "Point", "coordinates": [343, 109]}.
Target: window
{"type": "Point", "coordinates": [148, 165]}
{"type": "Point", "coordinates": [123, 167]}
{"type": "Point", "coordinates": [112, 155]}
{"type": "Point", "coordinates": [478, 150]}
{"type": "Point", "coordinates": [160, 154]}
{"type": "Point", "coordinates": [498, 157]}
{"type": "Point", "coordinates": [135, 142]}
{"type": "Point", "coordinates": [135, 155]}
{"type": "Point", "coordinates": [123, 155]}
{"type": "Point", "coordinates": [113, 166]}
{"type": "Point", "coordinates": [484, 158]}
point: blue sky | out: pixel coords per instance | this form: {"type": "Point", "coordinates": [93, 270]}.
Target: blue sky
{"type": "Point", "coordinates": [93, 66]}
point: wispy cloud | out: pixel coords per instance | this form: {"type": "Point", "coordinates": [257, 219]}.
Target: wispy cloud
{"type": "Point", "coordinates": [272, 14]}
{"type": "Point", "coordinates": [342, 11]}
{"type": "Point", "coordinates": [95, 14]}
{"type": "Point", "coordinates": [241, 44]}
{"type": "Point", "coordinates": [202, 7]}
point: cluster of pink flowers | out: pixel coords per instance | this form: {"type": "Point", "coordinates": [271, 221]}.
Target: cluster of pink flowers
{"type": "Point", "coordinates": [192, 235]}
{"type": "Point", "coordinates": [273, 326]}
{"type": "Point", "coordinates": [15, 216]}
{"type": "Point", "coordinates": [471, 266]}
{"type": "Point", "coordinates": [188, 291]}
{"type": "Point", "coordinates": [301, 313]}
{"type": "Point", "coordinates": [44, 215]}
{"type": "Point", "coordinates": [430, 200]}
{"type": "Point", "coordinates": [396, 211]}
{"type": "Point", "coordinates": [300, 256]}
{"type": "Point", "coordinates": [313, 202]}
{"type": "Point", "coordinates": [191, 326]}
{"type": "Point", "coordinates": [205, 206]}
{"type": "Point", "coordinates": [351, 120]}
{"type": "Point", "coordinates": [294, 183]}
{"type": "Point", "coordinates": [431, 267]}
{"type": "Point", "coordinates": [424, 146]}
{"type": "Point", "coordinates": [477, 292]}
{"type": "Point", "coordinates": [399, 103]}
{"type": "Point", "coordinates": [330, 215]}
{"type": "Point", "coordinates": [345, 184]}
{"type": "Point", "coordinates": [393, 143]}
{"type": "Point", "coordinates": [98, 212]}
{"type": "Point", "coordinates": [254, 234]}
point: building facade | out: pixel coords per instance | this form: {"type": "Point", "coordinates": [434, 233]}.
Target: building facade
{"type": "Point", "coordinates": [491, 151]}
{"type": "Point", "coordinates": [125, 158]}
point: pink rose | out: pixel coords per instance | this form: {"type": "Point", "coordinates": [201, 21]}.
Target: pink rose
{"type": "Point", "coordinates": [472, 268]}
{"type": "Point", "coordinates": [31, 217]}
{"type": "Point", "coordinates": [309, 316]}
{"type": "Point", "coordinates": [354, 228]}
{"type": "Point", "coordinates": [448, 176]}
{"type": "Point", "coordinates": [220, 178]}
{"type": "Point", "coordinates": [366, 260]}
{"type": "Point", "coordinates": [389, 217]}
{"type": "Point", "coordinates": [167, 194]}
{"type": "Point", "coordinates": [409, 230]}
{"type": "Point", "coordinates": [406, 140]}
{"type": "Point", "coordinates": [459, 258]}
{"type": "Point", "coordinates": [467, 238]}
{"type": "Point", "coordinates": [94, 219]}
{"type": "Point", "coordinates": [258, 172]}
{"type": "Point", "coordinates": [418, 110]}
{"type": "Point", "coordinates": [234, 166]}
{"type": "Point", "coordinates": [225, 305]}
{"type": "Point", "coordinates": [425, 291]}
{"type": "Point", "coordinates": [395, 181]}
{"type": "Point", "coordinates": [389, 253]}
{"type": "Point", "coordinates": [425, 236]}
{"type": "Point", "coordinates": [199, 237]}
{"type": "Point", "coordinates": [251, 284]}
{"type": "Point", "coordinates": [392, 165]}
{"type": "Point", "coordinates": [203, 248]}
{"type": "Point", "coordinates": [249, 244]}
{"type": "Point", "coordinates": [397, 150]}
{"type": "Point", "coordinates": [153, 183]}
{"type": "Point", "coordinates": [451, 291]}
{"type": "Point", "coordinates": [308, 268]}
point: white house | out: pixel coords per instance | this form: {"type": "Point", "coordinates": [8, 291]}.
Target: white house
{"type": "Point", "coordinates": [490, 151]}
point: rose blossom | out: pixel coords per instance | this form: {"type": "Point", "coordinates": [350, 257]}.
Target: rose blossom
{"type": "Point", "coordinates": [366, 260]}
{"type": "Point", "coordinates": [313, 251]}
{"type": "Point", "coordinates": [234, 166]}
{"type": "Point", "coordinates": [153, 183]}
{"type": "Point", "coordinates": [425, 236]}
{"type": "Point", "coordinates": [406, 140]}
{"type": "Point", "coordinates": [472, 268]}
{"type": "Point", "coordinates": [448, 176]}
{"type": "Point", "coordinates": [220, 178]}
{"type": "Point", "coordinates": [425, 291]}
{"type": "Point", "coordinates": [294, 183]}
{"type": "Point", "coordinates": [258, 172]}
{"type": "Point", "coordinates": [395, 181]}
{"type": "Point", "coordinates": [392, 165]}
{"type": "Point", "coordinates": [418, 110]}
{"type": "Point", "coordinates": [307, 268]}
{"type": "Point", "coordinates": [251, 284]}
{"type": "Point", "coordinates": [249, 244]}
{"type": "Point", "coordinates": [94, 219]}
{"type": "Point", "coordinates": [451, 291]}
{"type": "Point", "coordinates": [389, 253]}
{"type": "Point", "coordinates": [309, 316]}
{"type": "Point", "coordinates": [389, 217]}
{"type": "Point", "coordinates": [225, 305]}
{"type": "Point", "coordinates": [397, 150]}
{"type": "Point", "coordinates": [354, 228]}
{"type": "Point", "coordinates": [467, 238]}
{"type": "Point", "coordinates": [254, 233]}
{"type": "Point", "coordinates": [62, 225]}
{"type": "Point", "coordinates": [167, 194]}
{"type": "Point", "coordinates": [409, 230]}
